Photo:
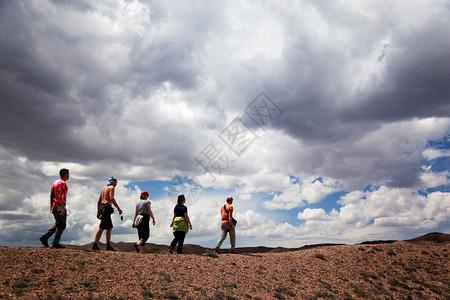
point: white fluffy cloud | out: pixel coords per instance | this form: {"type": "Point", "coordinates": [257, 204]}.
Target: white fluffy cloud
{"type": "Point", "coordinates": [384, 208]}
{"type": "Point", "coordinates": [297, 192]}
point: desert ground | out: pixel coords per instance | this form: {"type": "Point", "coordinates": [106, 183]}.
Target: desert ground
{"type": "Point", "coordinates": [415, 269]}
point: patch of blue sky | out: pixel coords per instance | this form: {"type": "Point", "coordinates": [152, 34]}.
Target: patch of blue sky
{"type": "Point", "coordinates": [440, 164]}
{"type": "Point", "coordinates": [371, 188]}
{"type": "Point", "coordinates": [164, 189]}
{"type": "Point", "coordinates": [276, 215]}
{"type": "Point", "coordinates": [444, 143]}
{"type": "Point", "coordinates": [156, 188]}
{"type": "Point", "coordinates": [443, 227]}
{"type": "Point", "coordinates": [330, 202]}
{"type": "Point", "coordinates": [295, 179]}
{"type": "Point", "coordinates": [441, 188]}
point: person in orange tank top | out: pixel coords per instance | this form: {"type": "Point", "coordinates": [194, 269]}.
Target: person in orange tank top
{"type": "Point", "coordinates": [227, 225]}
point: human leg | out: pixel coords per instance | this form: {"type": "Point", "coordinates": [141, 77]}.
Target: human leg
{"type": "Point", "coordinates": [49, 232]}
{"type": "Point", "coordinates": [98, 235]}
{"type": "Point", "coordinates": [172, 244]}
{"type": "Point", "coordinates": [108, 235]}
{"type": "Point", "coordinates": [143, 231]}
{"type": "Point", "coordinates": [44, 241]}
{"type": "Point", "coordinates": [180, 235]}
{"type": "Point", "coordinates": [108, 240]}
{"type": "Point", "coordinates": [44, 238]}
{"type": "Point", "coordinates": [223, 234]}
{"type": "Point", "coordinates": [60, 224]}
{"type": "Point", "coordinates": [138, 244]}
{"type": "Point", "coordinates": [232, 238]}
{"type": "Point", "coordinates": [105, 224]}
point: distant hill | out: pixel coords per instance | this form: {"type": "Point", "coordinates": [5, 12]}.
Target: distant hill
{"type": "Point", "coordinates": [434, 237]}
{"type": "Point", "coordinates": [378, 242]}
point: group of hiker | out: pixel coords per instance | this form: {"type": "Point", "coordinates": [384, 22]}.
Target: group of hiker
{"type": "Point", "coordinates": [180, 224]}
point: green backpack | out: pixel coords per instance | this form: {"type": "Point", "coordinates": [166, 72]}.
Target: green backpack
{"type": "Point", "coordinates": [180, 224]}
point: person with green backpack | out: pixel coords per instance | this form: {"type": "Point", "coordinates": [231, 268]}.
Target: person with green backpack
{"type": "Point", "coordinates": [180, 225]}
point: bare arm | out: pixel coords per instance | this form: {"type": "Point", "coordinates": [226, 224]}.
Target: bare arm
{"type": "Point", "coordinates": [134, 219]}
{"type": "Point", "coordinates": [98, 205]}
{"type": "Point", "coordinates": [117, 206]}
{"type": "Point", "coordinates": [151, 213]}
{"type": "Point", "coordinates": [113, 200]}
{"type": "Point", "coordinates": [171, 224]}
{"type": "Point", "coordinates": [188, 220]}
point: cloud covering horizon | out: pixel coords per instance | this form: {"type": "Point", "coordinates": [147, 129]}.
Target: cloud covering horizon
{"type": "Point", "coordinates": [357, 147]}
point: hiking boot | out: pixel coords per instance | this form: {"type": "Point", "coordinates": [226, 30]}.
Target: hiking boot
{"type": "Point", "coordinates": [58, 246]}
{"type": "Point", "coordinates": [95, 247]}
{"type": "Point", "coordinates": [44, 241]}
{"type": "Point", "coordinates": [109, 248]}
{"type": "Point", "coordinates": [136, 246]}
{"type": "Point", "coordinates": [232, 251]}
{"type": "Point", "coordinates": [170, 250]}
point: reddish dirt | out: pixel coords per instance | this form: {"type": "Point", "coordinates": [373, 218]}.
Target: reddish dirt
{"type": "Point", "coordinates": [400, 270]}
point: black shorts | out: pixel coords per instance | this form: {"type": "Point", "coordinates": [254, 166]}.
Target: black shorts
{"type": "Point", "coordinates": [106, 210]}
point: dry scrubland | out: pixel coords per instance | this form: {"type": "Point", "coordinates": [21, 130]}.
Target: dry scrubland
{"type": "Point", "coordinates": [400, 270]}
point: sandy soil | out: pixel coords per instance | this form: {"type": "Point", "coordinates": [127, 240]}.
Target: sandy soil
{"type": "Point", "coordinates": [401, 270]}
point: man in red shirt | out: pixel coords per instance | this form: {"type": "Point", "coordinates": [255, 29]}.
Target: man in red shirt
{"type": "Point", "coordinates": [227, 225]}
{"type": "Point", "coordinates": [58, 194]}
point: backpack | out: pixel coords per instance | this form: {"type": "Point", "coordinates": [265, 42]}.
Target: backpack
{"type": "Point", "coordinates": [180, 224]}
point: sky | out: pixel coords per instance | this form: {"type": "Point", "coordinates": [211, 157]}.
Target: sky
{"type": "Point", "coordinates": [327, 121]}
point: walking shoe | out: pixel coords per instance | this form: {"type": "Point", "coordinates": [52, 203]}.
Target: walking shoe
{"type": "Point", "coordinates": [44, 241]}
{"type": "Point", "coordinates": [58, 246]}
{"type": "Point", "coordinates": [136, 246]}
{"type": "Point", "coordinates": [109, 248]}
{"type": "Point", "coordinates": [170, 250]}
{"type": "Point", "coordinates": [95, 247]}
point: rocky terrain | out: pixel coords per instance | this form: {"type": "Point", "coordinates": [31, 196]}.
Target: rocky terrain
{"type": "Point", "coordinates": [414, 269]}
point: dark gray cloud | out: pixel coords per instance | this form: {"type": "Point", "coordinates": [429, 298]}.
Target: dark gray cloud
{"type": "Point", "coordinates": [66, 90]}
{"type": "Point", "coordinates": [321, 91]}
{"type": "Point", "coordinates": [19, 180]}
{"type": "Point", "coordinates": [415, 84]}
{"type": "Point", "coordinates": [54, 84]}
